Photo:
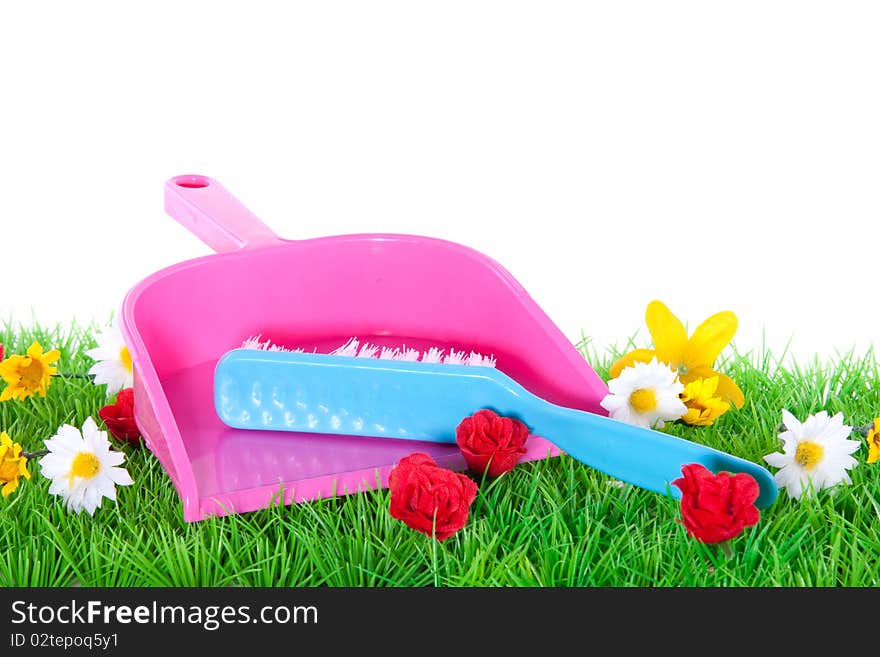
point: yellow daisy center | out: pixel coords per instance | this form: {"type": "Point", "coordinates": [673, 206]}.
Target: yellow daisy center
{"type": "Point", "coordinates": [125, 357]}
{"type": "Point", "coordinates": [85, 465]}
{"type": "Point", "coordinates": [32, 375]}
{"type": "Point", "coordinates": [809, 454]}
{"type": "Point", "coordinates": [643, 400]}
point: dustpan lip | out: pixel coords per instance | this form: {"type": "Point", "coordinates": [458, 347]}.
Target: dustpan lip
{"type": "Point", "coordinates": [158, 400]}
{"type": "Point", "coordinates": [345, 482]}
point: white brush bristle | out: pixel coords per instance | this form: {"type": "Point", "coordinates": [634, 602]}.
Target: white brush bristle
{"type": "Point", "coordinates": [479, 360]}
{"type": "Point", "coordinates": [433, 355]}
{"type": "Point", "coordinates": [256, 343]}
{"type": "Point", "coordinates": [455, 358]}
{"type": "Point", "coordinates": [354, 348]}
{"type": "Point", "coordinates": [350, 348]}
{"type": "Point", "coordinates": [368, 351]}
{"type": "Point", "coordinates": [411, 355]}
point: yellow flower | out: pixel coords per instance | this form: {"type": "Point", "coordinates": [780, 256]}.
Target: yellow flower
{"type": "Point", "coordinates": [13, 466]}
{"type": "Point", "coordinates": [691, 358]}
{"type": "Point", "coordinates": [28, 375]}
{"type": "Point", "coordinates": [874, 442]}
{"type": "Point", "coordinates": [704, 407]}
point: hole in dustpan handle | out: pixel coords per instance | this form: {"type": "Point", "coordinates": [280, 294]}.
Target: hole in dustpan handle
{"type": "Point", "coordinates": [215, 216]}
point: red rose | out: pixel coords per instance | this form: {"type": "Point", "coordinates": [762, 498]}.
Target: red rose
{"type": "Point", "coordinates": [428, 498]}
{"type": "Point", "coordinates": [119, 417]}
{"type": "Point", "coordinates": [716, 507]}
{"type": "Point", "coordinates": [2, 351]}
{"type": "Point", "coordinates": [488, 439]}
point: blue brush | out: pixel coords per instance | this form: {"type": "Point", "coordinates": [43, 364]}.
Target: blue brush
{"type": "Point", "coordinates": [287, 391]}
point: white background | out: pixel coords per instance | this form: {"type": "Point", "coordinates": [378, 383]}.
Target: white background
{"type": "Point", "coordinates": [714, 155]}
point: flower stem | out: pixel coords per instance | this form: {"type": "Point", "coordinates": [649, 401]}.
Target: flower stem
{"type": "Point", "coordinates": [434, 550]}
{"type": "Point", "coordinates": [479, 506]}
{"type": "Point", "coordinates": [37, 454]}
{"type": "Point", "coordinates": [726, 550]}
{"type": "Point", "coordinates": [73, 375]}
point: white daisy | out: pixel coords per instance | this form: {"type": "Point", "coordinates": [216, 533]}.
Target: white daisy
{"type": "Point", "coordinates": [645, 394]}
{"type": "Point", "coordinates": [114, 361]}
{"type": "Point", "coordinates": [815, 454]}
{"type": "Point", "coordinates": [82, 467]}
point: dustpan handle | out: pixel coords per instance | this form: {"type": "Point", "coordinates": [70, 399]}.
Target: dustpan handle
{"type": "Point", "coordinates": [214, 215]}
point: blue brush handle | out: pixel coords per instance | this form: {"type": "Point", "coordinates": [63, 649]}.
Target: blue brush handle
{"type": "Point", "coordinates": [283, 391]}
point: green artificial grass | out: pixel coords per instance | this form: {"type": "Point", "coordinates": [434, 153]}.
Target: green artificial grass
{"type": "Point", "coordinates": [548, 523]}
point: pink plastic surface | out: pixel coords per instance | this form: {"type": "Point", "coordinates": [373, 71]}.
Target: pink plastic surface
{"type": "Point", "coordinates": [390, 289]}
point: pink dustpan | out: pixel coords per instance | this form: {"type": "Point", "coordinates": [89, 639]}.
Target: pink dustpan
{"type": "Point", "coordinates": [316, 294]}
